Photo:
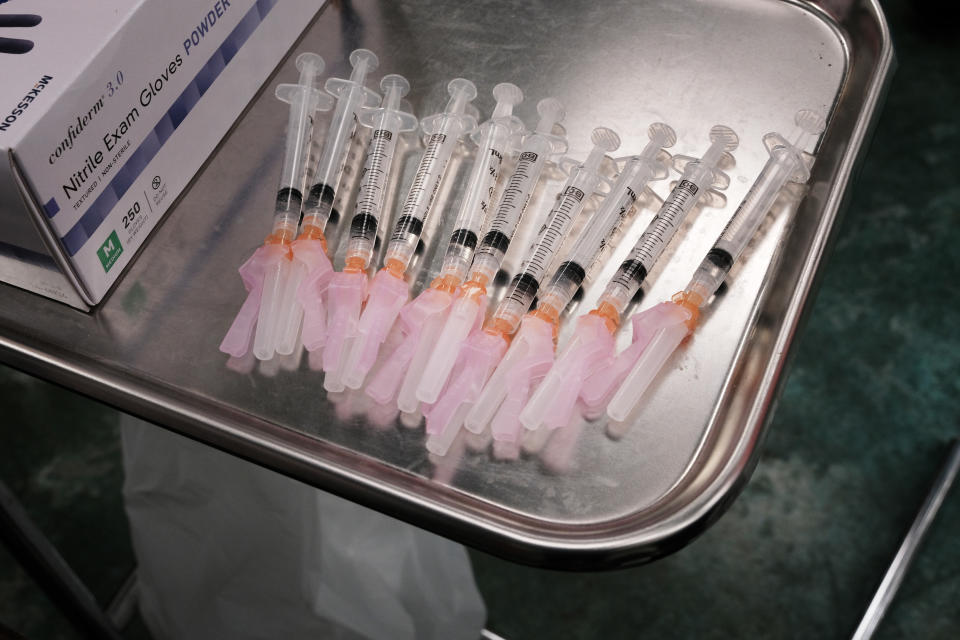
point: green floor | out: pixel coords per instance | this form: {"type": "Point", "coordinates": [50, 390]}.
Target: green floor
{"type": "Point", "coordinates": [862, 426]}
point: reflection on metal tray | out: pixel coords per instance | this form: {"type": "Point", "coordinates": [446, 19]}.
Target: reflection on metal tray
{"type": "Point", "coordinates": [594, 495]}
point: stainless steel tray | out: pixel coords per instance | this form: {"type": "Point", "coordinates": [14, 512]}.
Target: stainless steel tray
{"type": "Point", "coordinates": [594, 496]}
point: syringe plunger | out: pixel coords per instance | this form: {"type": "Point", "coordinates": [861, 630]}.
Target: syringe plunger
{"type": "Point", "coordinates": [352, 96]}
{"type": "Point", "coordinates": [443, 130]}
{"type": "Point", "coordinates": [604, 141]}
{"type": "Point", "coordinates": [493, 139]}
{"type": "Point", "coordinates": [363, 61]}
{"type": "Point", "coordinates": [507, 95]}
{"type": "Point", "coordinates": [563, 286]}
{"type": "Point", "coordinates": [551, 112]}
{"type": "Point", "coordinates": [462, 91]}
{"type": "Point", "coordinates": [304, 98]}
{"type": "Point", "coordinates": [787, 163]}
{"type": "Point", "coordinates": [387, 121]}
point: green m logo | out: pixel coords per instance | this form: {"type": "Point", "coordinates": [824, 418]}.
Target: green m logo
{"type": "Point", "coordinates": [109, 251]}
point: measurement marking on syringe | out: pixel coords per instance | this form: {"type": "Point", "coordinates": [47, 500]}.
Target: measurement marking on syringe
{"type": "Point", "coordinates": [558, 223]}
{"type": "Point", "coordinates": [373, 173]}
{"type": "Point", "coordinates": [663, 227]}
{"type": "Point", "coordinates": [514, 189]}
{"type": "Point", "coordinates": [494, 160]}
{"type": "Point", "coordinates": [425, 172]}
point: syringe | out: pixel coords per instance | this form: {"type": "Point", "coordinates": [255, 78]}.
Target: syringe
{"type": "Point", "coordinates": [311, 269]}
{"type": "Point", "coordinates": [264, 273]}
{"type": "Point", "coordinates": [422, 319]}
{"type": "Point", "coordinates": [348, 288]}
{"type": "Point", "coordinates": [531, 353]}
{"type": "Point", "coordinates": [660, 330]}
{"type": "Point", "coordinates": [592, 344]}
{"type": "Point", "coordinates": [466, 313]}
{"type": "Point", "coordinates": [584, 180]}
{"type": "Point", "coordinates": [389, 289]}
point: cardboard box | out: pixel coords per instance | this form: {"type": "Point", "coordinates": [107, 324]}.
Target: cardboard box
{"type": "Point", "coordinates": [107, 110]}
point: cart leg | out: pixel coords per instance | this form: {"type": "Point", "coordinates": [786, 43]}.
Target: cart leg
{"type": "Point", "coordinates": [908, 548]}
{"type": "Point", "coordinates": [46, 566]}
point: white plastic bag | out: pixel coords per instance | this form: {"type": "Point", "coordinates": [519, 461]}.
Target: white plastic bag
{"type": "Point", "coordinates": [227, 549]}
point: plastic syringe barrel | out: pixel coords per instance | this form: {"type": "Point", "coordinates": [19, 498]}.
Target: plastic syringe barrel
{"type": "Point", "coordinates": [698, 176]}
{"type": "Point", "coordinates": [785, 164]}
{"type": "Point", "coordinates": [351, 96]}
{"type": "Point", "coordinates": [513, 202]}
{"type": "Point", "coordinates": [387, 122]}
{"type": "Point", "coordinates": [581, 184]}
{"type": "Point", "coordinates": [444, 131]}
{"type": "Point", "coordinates": [636, 173]}
{"type": "Point", "coordinates": [304, 98]}
{"type": "Point", "coordinates": [493, 138]}
{"type": "Point", "coordinates": [533, 156]}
